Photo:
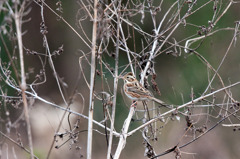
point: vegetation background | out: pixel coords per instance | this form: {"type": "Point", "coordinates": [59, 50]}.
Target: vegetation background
{"type": "Point", "coordinates": [183, 71]}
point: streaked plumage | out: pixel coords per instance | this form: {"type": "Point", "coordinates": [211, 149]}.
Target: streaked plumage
{"type": "Point", "coordinates": [135, 91]}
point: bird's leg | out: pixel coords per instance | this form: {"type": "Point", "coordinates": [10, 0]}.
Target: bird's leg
{"type": "Point", "coordinates": [134, 104]}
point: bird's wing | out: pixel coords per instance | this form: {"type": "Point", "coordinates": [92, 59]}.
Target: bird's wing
{"type": "Point", "coordinates": [142, 92]}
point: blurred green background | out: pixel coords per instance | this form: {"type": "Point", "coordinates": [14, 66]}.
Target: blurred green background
{"type": "Point", "coordinates": [176, 76]}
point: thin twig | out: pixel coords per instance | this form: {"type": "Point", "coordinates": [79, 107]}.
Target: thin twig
{"type": "Point", "coordinates": [19, 145]}
{"type": "Point", "coordinates": [182, 106]}
{"type": "Point", "coordinates": [92, 80]}
{"type": "Point", "coordinates": [124, 134]}
{"type": "Point", "coordinates": [115, 82]}
{"type": "Point", "coordinates": [59, 107]}
{"type": "Point", "coordinates": [18, 19]}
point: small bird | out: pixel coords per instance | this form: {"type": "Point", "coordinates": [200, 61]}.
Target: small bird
{"type": "Point", "coordinates": [135, 91]}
